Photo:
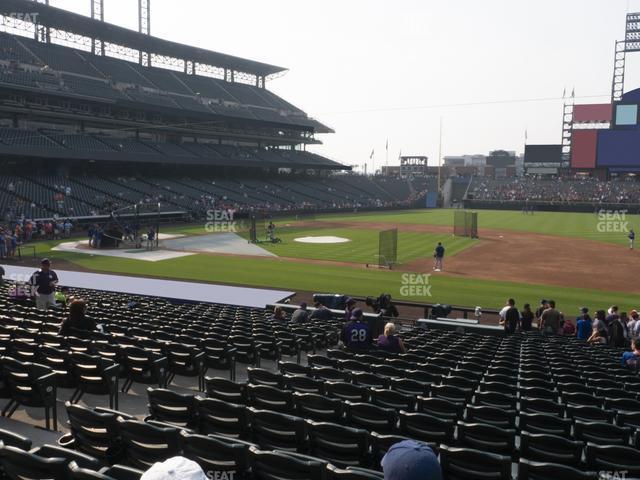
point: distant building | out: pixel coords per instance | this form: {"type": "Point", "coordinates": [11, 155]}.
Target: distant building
{"type": "Point", "coordinates": [499, 163]}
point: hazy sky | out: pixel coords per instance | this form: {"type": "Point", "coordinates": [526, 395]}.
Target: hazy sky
{"type": "Point", "coordinates": [374, 69]}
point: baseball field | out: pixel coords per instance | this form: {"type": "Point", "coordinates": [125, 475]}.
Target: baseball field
{"type": "Point", "coordinates": [576, 258]}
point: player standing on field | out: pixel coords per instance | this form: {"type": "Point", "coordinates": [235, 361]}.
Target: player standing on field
{"type": "Point", "coordinates": [632, 238]}
{"type": "Point", "coordinates": [438, 255]}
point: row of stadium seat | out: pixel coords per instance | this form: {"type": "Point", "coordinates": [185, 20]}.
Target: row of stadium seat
{"type": "Point", "coordinates": [82, 73]}
{"type": "Point", "coordinates": [92, 194]}
{"type": "Point", "coordinates": [545, 396]}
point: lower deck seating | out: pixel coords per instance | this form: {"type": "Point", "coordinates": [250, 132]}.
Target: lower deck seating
{"type": "Point", "coordinates": [523, 406]}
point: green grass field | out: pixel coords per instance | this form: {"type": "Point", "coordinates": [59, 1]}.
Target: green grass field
{"type": "Point", "coordinates": [582, 225]}
{"type": "Point", "coordinates": [363, 245]}
{"type": "Point", "coordinates": [298, 276]}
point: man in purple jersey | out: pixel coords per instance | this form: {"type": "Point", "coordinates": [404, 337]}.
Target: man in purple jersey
{"type": "Point", "coordinates": [356, 334]}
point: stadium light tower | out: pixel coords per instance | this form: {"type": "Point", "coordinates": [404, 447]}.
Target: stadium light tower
{"type": "Point", "coordinates": [144, 27]}
{"type": "Point", "coordinates": [97, 13]}
{"type": "Point", "coordinates": [630, 44]}
{"type": "Point", "coordinates": [42, 34]}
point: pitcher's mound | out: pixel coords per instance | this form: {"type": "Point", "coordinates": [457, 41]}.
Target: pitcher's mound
{"type": "Point", "coordinates": [327, 239]}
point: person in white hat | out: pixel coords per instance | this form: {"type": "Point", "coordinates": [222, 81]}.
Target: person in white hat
{"type": "Point", "coordinates": [175, 468]}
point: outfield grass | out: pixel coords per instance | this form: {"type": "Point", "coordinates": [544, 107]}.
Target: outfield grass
{"type": "Point", "coordinates": [291, 275]}
{"type": "Point", "coordinates": [582, 225]}
{"type": "Point", "coordinates": [565, 224]}
{"type": "Point", "coordinates": [363, 245]}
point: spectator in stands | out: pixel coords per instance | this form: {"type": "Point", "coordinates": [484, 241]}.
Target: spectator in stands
{"type": "Point", "coordinates": [13, 245]}
{"type": "Point", "coordinates": [350, 306]}
{"type": "Point", "coordinates": [356, 334]}
{"type": "Point", "coordinates": [48, 230]}
{"type": "Point", "coordinates": [634, 325]}
{"type": "Point", "coordinates": [300, 315]}
{"type": "Point", "coordinates": [44, 282]}
{"type": "Point", "coordinates": [410, 460]}
{"type": "Point", "coordinates": [3, 244]}
{"type": "Point", "coordinates": [279, 315]}
{"type": "Point", "coordinates": [62, 297]}
{"type": "Point", "coordinates": [510, 317]}
{"type": "Point", "coordinates": [544, 304]}
{"type": "Point", "coordinates": [176, 468]}
{"type": "Point", "coordinates": [599, 325]}
{"type": "Point", "coordinates": [583, 324]}
{"type": "Point", "coordinates": [67, 228]}
{"type": "Point", "coordinates": [2, 274]}
{"type": "Point", "coordinates": [550, 320]}
{"type": "Point", "coordinates": [77, 323]}
{"type": "Point", "coordinates": [321, 312]}
{"type": "Point", "coordinates": [389, 342]}
{"type": "Point", "coordinates": [597, 337]}
{"type": "Point", "coordinates": [568, 328]}
{"type": "Point", "coordinates": [526, 318]}
{"type": "Point", "coordinates": [618, 335]}
{"type": "Point", "coordinates": [624, 319]}
{"type": "Point", "coordinates": [28, 231]}
{"type": "Point", "coordinates": [632, 359]}
{"type": "Point", "coordinates": [612, 315]}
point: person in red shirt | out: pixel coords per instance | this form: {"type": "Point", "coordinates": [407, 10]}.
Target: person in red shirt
{"type": "Point", "coordinates": [568, 328]}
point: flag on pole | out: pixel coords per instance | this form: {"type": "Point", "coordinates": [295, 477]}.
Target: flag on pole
{"type": "Point", "coordinates": [564, 92]}
{"type": "Point", "coordinates": [573, 92]}
{"type": "Point", "coordinates": [400, 155]}
{"type": "Point", "coordinates": [386, 147]}
{"type": "Point", "coordinates": [372, 152]}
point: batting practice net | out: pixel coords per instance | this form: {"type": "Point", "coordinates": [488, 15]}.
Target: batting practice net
{"type": "Point", "coordinates": [465, 224]}
{"type": "Point", "coordinates": [388, 248]}
{"type": "Point", "coordinates": [253, 233]}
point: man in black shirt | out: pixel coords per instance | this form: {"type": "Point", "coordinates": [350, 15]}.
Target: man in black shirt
{"type": "Point", "coordinates": [321, 312]}
{"type": "Point", "coordinates": [44, 283]}
{"type": "Point", "coordinates": [510, 316]}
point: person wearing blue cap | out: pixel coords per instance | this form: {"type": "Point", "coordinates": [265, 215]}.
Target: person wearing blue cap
{"type": "Point", "coordinates": [411, 460]}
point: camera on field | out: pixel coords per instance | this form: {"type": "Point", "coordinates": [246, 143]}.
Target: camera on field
{"type": "Point", "coordinates": [382, 305]}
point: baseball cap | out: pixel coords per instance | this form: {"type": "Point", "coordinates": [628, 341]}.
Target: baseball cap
{"type": "Point", "coordinates": [175, 468]}
{"type": "Point", "coordinates": [356, 314]}
{"type": "Point", "coordinates": [303, 305]}
{"type": "Point", "coordinates": [633, 313]}
{"type": "Point", "coordinates": [584, 310]}
{"type": "Point", "coordinates": [410, 460]}
{"type": "Point", "coordinates": [350, 301]}
{"type": "Point", "coordinates": [45, 261]}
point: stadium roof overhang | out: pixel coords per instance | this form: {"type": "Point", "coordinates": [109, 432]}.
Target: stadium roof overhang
{"type": "Point", "coordinates": [79, 24]}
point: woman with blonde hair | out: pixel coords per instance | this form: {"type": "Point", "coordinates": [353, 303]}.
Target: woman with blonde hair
{"type": "Point", "coordinates": [389, 342]}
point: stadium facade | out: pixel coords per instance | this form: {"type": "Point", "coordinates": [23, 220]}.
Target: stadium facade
{"type": "Point", "coordinates": [114, 95]}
